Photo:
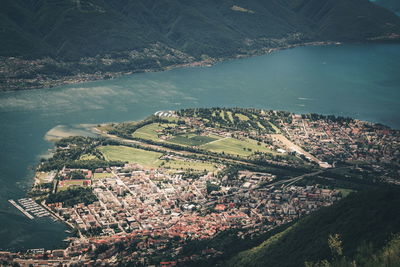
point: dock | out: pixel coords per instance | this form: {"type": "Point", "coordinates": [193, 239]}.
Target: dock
{"type": "Point", "coordinates": [30, 208]}
{"type": "Point", "coordinates": [21, 209]}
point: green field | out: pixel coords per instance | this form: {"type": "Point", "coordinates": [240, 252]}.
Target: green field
{"type": "Point", "coordinates": [133, 155]}
{"type": "Point", "coordinates": [149, 131]}
{"type": "Point", "coordinates": [192, 140]}
{"type": "Point", "coordinates": [235, 147]}
{"type": "Point", "coordinates": [276, 129]}
{"type": "Point", "coordinates": [230, 117]}
{"type": "Point", "coordinates": [87, 157]}
{"type": "Point", "coordinates": [242, 117]}
{"type": "Point", "coordinates": [43, 177]}
{"type": "Point", "coordinates": [64, 185]}
{"type": "Point", "coordinates": [184, 165]}
{"type": "Point", "coordinates": [102, 175]}
{"type": "Point", "coordinates": [148, 159]}
{"type": "Point", "coordinates": [260, 125]}
{"type": "Point", "coordinates": [345, 192]}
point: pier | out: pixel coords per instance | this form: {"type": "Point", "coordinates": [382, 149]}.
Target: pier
{"type": "Point", "coordinates": [30, 208]}
{"type": "Point", "coordinates": [21, 209]}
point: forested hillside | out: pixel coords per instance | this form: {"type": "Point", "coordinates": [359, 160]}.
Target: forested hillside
{"type": "Point", "coordinates": [393, 5]}
{"type": "Point", "coordinates": [364, 223]}
{"type": "Point", "coordinates": [72, 29]}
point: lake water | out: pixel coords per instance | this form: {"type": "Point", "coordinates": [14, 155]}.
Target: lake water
{"type": "Point", "coordinates": [361, 81]}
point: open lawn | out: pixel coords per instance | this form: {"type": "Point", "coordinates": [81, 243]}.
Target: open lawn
{"type": "Point", "coordinates": [44, 177]}
{"type": "Point", "coordinates": [102, 175]}
{"type": "Point", "coordinates": [150, 131]}
{"type": "Point", "coordinates": [345, 192]}
{"type": "Point", "coordinates": [236, 147]}
{"type": "Point", "coordinates": [276, 129]}
{"type": "Point", "coordinates": [87, 157]}
{"type": "Point", "coordinates": [230, 117]}
{"type": "Point", "coordinates": [170, 119]}
{"type": "Point", "coordinates": [222, 115]}
{"type": "Point", "coordinates": [189, 165]}
{"type": "Point", "coordinates": [260, 125]}
{"type": "Point", "coordinates": [133, 155]}
{"type": "Point", "coordinates": [64, 185]}
{"type": "Point", "coordinates": [192, 140]}
{"type": "Point", "coordinates": [242, 117]}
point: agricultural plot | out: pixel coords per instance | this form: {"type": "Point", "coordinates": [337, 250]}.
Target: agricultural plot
{"type": "Point", "coordinates": [236, 147]}
{"type": "Point", "coordinates": [132, 155]}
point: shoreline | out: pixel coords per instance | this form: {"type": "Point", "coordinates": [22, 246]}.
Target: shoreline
{"type": "Point", "coordinates": [46, 82]}
{"type": "Point", "coordinates": [84, 77]}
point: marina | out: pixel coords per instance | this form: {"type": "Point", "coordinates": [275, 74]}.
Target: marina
{"type": "Point", "coordinates": [30, 208]}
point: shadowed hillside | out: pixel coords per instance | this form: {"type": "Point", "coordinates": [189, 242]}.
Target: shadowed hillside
{"type": "Point", "coordinates": [365, 220]}
{"type": "Point", "coordinates": [72, 29]}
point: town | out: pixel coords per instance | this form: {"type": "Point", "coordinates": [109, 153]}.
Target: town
{"type": "Point", "coordinates": [144, 190]}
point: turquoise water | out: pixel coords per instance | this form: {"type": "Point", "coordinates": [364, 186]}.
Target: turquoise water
{"type": "Point", "coordinates": [361, 81]}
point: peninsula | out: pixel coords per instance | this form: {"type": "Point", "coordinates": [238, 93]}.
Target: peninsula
{"type": "Point", "coordinates": [163, 190]}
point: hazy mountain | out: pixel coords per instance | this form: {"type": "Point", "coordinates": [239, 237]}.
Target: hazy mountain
{"type": "Point", "coordinates": [77, 28]}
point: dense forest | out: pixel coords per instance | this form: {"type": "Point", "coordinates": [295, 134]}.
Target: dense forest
{"type": "Point", "coordinates": [76, 29]}
{"type": "Point", "coordinates": [366, 220]}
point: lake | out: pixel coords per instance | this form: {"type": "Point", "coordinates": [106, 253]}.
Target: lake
{"type": "Point", "coordinates": [361, 81]}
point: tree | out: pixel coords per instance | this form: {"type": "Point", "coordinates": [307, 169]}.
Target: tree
{"type": "Point", "coordinates": [335, 244]}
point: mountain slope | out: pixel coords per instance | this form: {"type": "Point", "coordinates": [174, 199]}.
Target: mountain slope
{"type": "Point", "coordinates": [73, 29]}
{"type": "Point", "coordinates": [393, 5]}
{"type": "Point", "coordinates": [364, 218]}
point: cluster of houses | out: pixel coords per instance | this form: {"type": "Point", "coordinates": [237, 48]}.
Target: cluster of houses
{"type": "Point", "coordinates": [343, 140]}
{"type": "Point", "coordinates": [137, 203]}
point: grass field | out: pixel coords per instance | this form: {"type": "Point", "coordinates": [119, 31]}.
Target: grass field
{"type": "Point", "coordinates": [149, 132]}
{"type": "Point", "coordinates": [260, 125]}
{"type": "Point", "coordinates": [133, 155]}
{"type": "Point", "coordinates": [102, 175]}
{"type": "Point", "coordinates": [87, 157]}
{"type": "Point", "coordinates": [230, 117]}
{"type": "Point", "coordinates": [235, 147]}
{"type": "Point", "coordinates": [45, 177]}
{"type": "Point", "coordinates": [276, 129]}
{"type": "Point", "coordinates": [184, 165]}
{"type": "Point", "coordinates": [242, 117]}
{"type": "Point", "coordinates": [149, 159]}
{"type": "Point", "coordinates": [64, 185]}
{"type": "Point", "coordinates": [345, 192]}
{"type": "Point", "coordinates": [192, 140]}
{"type": "Point", "coordinates": [222, 115]}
